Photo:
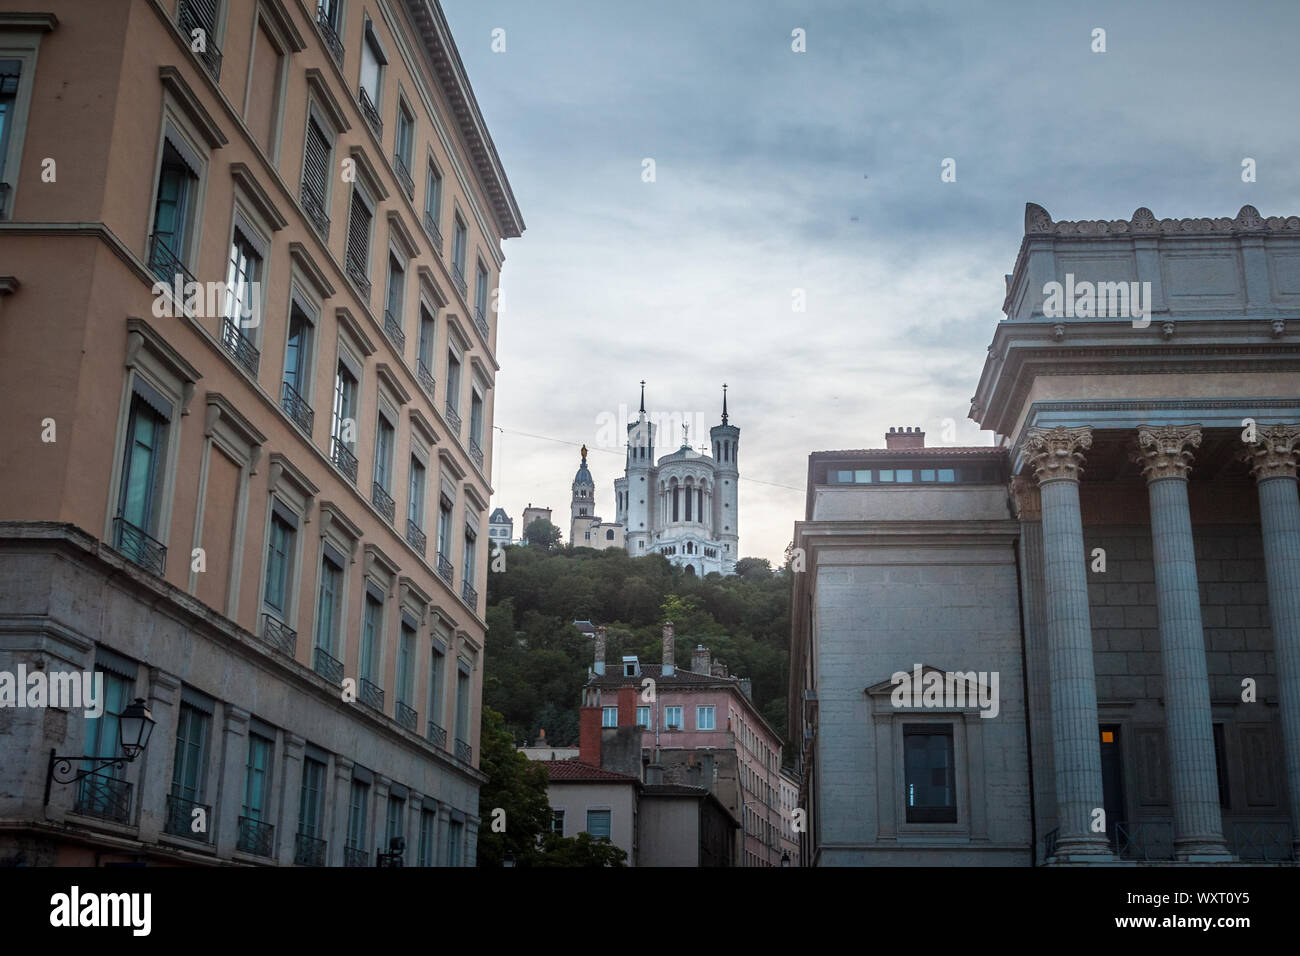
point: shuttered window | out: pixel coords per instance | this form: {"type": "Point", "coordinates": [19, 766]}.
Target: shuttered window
{"type": "Point", "coordinates": [316, 161]}
{"type": "Point", "coordinates": [359, 232]}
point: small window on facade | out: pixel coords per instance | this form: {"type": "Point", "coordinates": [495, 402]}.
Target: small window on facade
{"type": "Point", "coordinates": [609, 717]}
{"type": "Point", "coordinates": [929, 773]}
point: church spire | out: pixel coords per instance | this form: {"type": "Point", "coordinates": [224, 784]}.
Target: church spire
{"type": "Point", "coordinates": [724, 403]}
{"type": "Point", "coordinates": [643, 395]}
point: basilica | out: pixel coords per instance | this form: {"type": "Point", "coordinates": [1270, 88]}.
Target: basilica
{"type": "Point", "coordinates": [683, 505]}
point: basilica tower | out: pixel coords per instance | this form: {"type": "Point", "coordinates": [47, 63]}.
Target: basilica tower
{"type": "Point", "coordinates": [726, 502]}
{"type": "Point", "coordinates": [639, 509]}
{"type": "Point", "coordinates": [583, 504]}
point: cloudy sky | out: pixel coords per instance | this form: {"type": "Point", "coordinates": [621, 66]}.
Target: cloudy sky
{"type": "Point", "coordinates": [778, 171]}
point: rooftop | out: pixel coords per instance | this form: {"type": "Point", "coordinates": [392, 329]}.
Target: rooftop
{"type": "Point", "coordinates": [575, 771]}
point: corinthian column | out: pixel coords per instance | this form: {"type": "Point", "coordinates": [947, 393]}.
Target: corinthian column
{"type": "Point", "coordinates": [1273, 462]}
{"type": "Point", "coordinates": [1165, 454]}
{"type": "Point", "coordinates": [1056, 455]}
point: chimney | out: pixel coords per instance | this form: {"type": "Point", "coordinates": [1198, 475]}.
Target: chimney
{"type": "Point", "coordinates": [747, 687]}
{"type": "Point", "coordinates": [541, 738]}
{"type": "Point", "coordinates": [599, 667]}
{"type": "Point", "coordinates": [903, 438]}
{"type": "Point", "coordinates": [589, 736]}
{"type": "Point", "coordinates": [719, 669]}
{"type": "Point", "coordinates": [627, 706]}
{"type": "Point", "coordinates": [654, 773]}
{"type": "Point", "coordinates": [670, 650]}
{"type": "Point", "coordinates": [700, 660]}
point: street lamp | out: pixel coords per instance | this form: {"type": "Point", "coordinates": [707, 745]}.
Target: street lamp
{"type": "Point", "coordinates": [135, 724]}
{"type": "Point", "coordinates": [785, 859]}
{"type": "Point", "coordinates": [396, 847]}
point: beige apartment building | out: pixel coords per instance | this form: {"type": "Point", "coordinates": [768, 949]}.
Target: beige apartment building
{"type": "Point", "coordinates": [248, 259]}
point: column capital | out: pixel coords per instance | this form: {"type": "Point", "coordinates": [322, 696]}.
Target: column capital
{"type": "Point", "coordinates": [1025, 498]}
{"type": "Point", "coordinates": [1056, 453]}
{"type": "Point", "coordinates": [1276, 453]}
{"type": "Point", "coordinates": [1165, 451]}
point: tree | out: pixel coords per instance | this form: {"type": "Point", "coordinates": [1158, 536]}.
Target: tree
{"type": "Point", "coordinates": [515, 785]}
{"type": "Point", "coordinates": [754, 569]}
{"type": "Point", "coordinates": [582, 850]}
{"type": "Point", "coordinates": [543, 535]}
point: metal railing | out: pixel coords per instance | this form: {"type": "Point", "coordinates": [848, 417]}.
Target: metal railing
{"type": "Point", "coordinates": [108, 798]}
{"type": "Point", "coordinates": [404, 176]}
{"type": "Point", "coordinates": [480, 320]}
{"type": "Point", "coordinates": [296, 407]}
{"type": "Point", "coordinates": [256, 837]}
{"type": "Point", "coordinates": [329, 35]}
{"type": "Point", "coordinates": [370, 112]}
{"type": "Point", "coordinates": [432, 230]}
{"type": "Point", "coordinates": [344, 459]}
{"type": "Point", "coordinates": [469, 593]}
{"type": "Point", "coordinates": [393, 329]}
{"type": "Point", "coordinates": [370, 694]}
{"type": "Point", "coordinates": [181, 819]}
{"type": "Point", "coordinates": [189, 20]}
{"type": "Point", "coordinates": [436, 735]}
{"type": "Point", "coordinates": [4, 203]}
{"type": "Point", "coordinates": [475, 453]}
{"type": "Point", "coordinates": [405, 715]}
{"type": "Point", "coordinates": [355, 856]}
{"type": "Point", "coordinates": [1264, 841]}
{"type": "Point", "coordinates": [452, 416]}
{"type": "Point", "coordinates": [240, 346]}
{"type": "Point", "coordinates": [424, 376]}
{"type": "Point", "coordinates": [1147, 840]}
{"type": "Point", "coordinates": [445, 569]}
{"type": "Point", "coordinates": [1049, 843]}
{"type": "Point", "coordinates": [464, 751]}
{"type": "Point", "coordinates": [308, 850]}
{"type": "Point", "coordinates": [357, 273]}
{"type": "Point", "coordinates": [314, 207]}
{"type": "Point", "coordinates": [458, 277]}
{"type": "Point", "coordinates": [279, 635]}
{"type": "Point", "coordinates": [383, 500]}
{"type": "Point", "coordinates": [327, 666]}
{"type": "Point", "coordinates": [415, 537]}
{"type": "Point", "coordinates": [167, 265]}
{"type": "Point", "coordinates": [135, 544]}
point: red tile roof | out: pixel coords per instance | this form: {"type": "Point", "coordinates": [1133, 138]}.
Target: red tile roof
{"type": "Point", "coordinates": [576, 770]}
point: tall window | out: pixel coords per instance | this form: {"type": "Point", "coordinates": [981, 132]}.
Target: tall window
{"type": "Point", "coordinates": [444, 527]}
{"type": "Point", "coordinates": [311, 798]}
{"type": "Point", "coordinates": [598, 823]}
{"type": "Point", "coordinates": [103, 735]}
{"type": "Point", "coordinates": [191, 753]}
{"type": "Point", "coordinates": [433, 204]}
{"type": "Point", "coordinates": [673, 717]}
{"type": "Point", "coordinates": [297, 352]}
{"type": "Point", "coordinates": [343, 426]}
{"type": "Point", "coordinates": [256, 780]}
{"type": "Point", "coordinates": [243, 272]}
{"type": "Point", "coordinates": [415, 497]}
{"type": "Point", "coordinates": [643, 716]}
{"type": "Point", "coordinates": [396, 818]}
{"type": "Point", "coordinates": [372, 63]}
{"type": "Point", "coordinates": [557, 822]}
{"type": "Point", "coordinates": [480, 293]}
{"type": "Point", "coordinates": [360, 217]}
{"type": "Point", "coordinates": [360, 796]}
{"type": "Point", "coordinates": [279, 557]}
{"type": "Point", "coordinates": [459, 243]}
{"type": "Point", "coordinates": [930, 791]}
{"type": "Point", "coordinates": [453, 381]}
{"type": "Point", "coordinates": [476, 418]}
{"type": "Point", "coordinates": [462, 705]}
{"type": "Point", "coordinates": [371, 634]}
{"type": "Point", "coordinates": [396, 284]}
{"type": "Point", "coordinates": [328, 605]}
{"type": "Point", "coordinates": [435, 687]}
{"type": "Point", "coordinates": [467, 559]}
{"type": "Point", "coordinates": [704, 719]}
{"type": "Point", "coordinates": [177, 183]}
{"type": "Point", "coordinates": [609, 717]}
{"type": "Point", "coordinates": [404, 143]}
{"type": "Point", "coordinates": [139, 499]}
{"type": "Point", "coordinates": [405, 660]}
{"type": "Point", "coordinates": [428, 827]}
{"type": "Point", "coordinates": [316, 174]}
{"type": "Point", "coordinates": [455, 838]}
{"type": "Point", "coordinates": [426, 342]}
{"type": "Point", "coordinates": [384, 453]}
{"type": "Point", "coordinates": [10, 74]}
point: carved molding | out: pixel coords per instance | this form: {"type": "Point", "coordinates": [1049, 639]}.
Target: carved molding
{"type": "Point", "coordinates": [1165, 451]}
{"type": "Point", "coordinates": [1056, 453]}
{"type": "Point", "coordinates": [1276, 454]}
{"type": "Point", "coordinates": [1038, 222]}
{"type": "Point", "coordinates": [1025, 499]}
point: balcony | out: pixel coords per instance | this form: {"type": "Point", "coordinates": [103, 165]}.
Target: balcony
{"type": "Point", "coordinates": [436, 735]}
{"type": "Point", "coordinates": [405, 716]}
{"type": "Point", "coordinates": [476, 453]}
{"type": "Point", "coordinates": [393, 329]}
{"type": "Point", "coordinates": [296, 407]}
{"type": "Point", "coordinates": [458, 277]}
{"type": "Point", "coordinates": [469, 594]}
{"type": "Point", "coordinates": [240, 346]}
{"type": "Point", "coordinates": [181, 819]}
{"type": "Point", "coordinates": [357, 273]}
{"type": "Point", "coordinates": [370, 112]}
{"type": "Point", "coordinates": [355, 856]}
{"type": "Point", "coordinates": [480, 321]}
{"type": "Point", "coordinates": [404, 176]}
{"type": "Point", "coordinates": [424, 376]}
{"type": "Point", "coordinates": [432, 230]}
{"type": "Point", "coordinates": [279, 635]}
{"type": "Point", "coordinates": [453, 417]}
{"type": "Point", "coordinates": [383, 501]}
{"type": "Point", "coordinates": [1145, 841]}
{"type": "Point", "coordinates": [330, 35]}
{"type": "Point", "coordinates": [343, 459]}
{"type": "Point", "coordinates": [167, 266]}
{"type": "Point", "coordinates": [189, 20]}
{"type": "Point", "coordinates": [256, 837]}
{"type": "Point", "coordinates": [445, 569]}
{"type": "Point", "coordinates": [108, 798]}
{"type": "Point", "coordinates": [134, 544]}
{"type": "Point", "coordinates": [314, 206]}
{"type": "Point", "coordinates": [415, 537]}
{"type": "Point", "coordinates": [308, 850]}
{"type": "Point", "coordinates": [370, 694]}
{"type": "Point", "coordinates": [464, 751]}
{"type": "Point", "coordinates": [327, 666]}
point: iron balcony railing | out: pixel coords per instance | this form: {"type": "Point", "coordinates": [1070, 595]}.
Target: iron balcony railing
{"type": "Point", "coordinates": [4, 203]}
{"type": "Point", "coordinates": [190, 20]}
{"type": "Point", "coordinates": [393, 329]}
{"type": "Point", "coordinates": [1147, 840]}
{"type": "Point", "coordinates": [297, 408]}
{"type": "Point", "coordinates": [415, 537]}
{"type": "Point", "coordinates": [330, 35]}
{"type": "Point", "coordinates": [404, 176]}
{"type": "Point", "coordinates": [167, 265]}
{"type": "Point", "coordinates": [445, 569]}
{"type": "Point", "coordinates": [327, 666]}
{"type": "Point", "coordinates": [431, 228]}
{"type": "Point", "coordinates": [344, 459]}
{"type": "Point", "coordinates": [453, 417]}
{"type": "Point", "coordinates": [136, 545]}
{"type": "Point", "coordinates": [240, 346]}
{"type": "Point", "coordinates": [279, 635]}
{"type": "Point", "coordinates": [476, 453]}
{"type": "Point", "coordinates": [458, 276]}
{"type": "Point", "coordinates": [424, 377]}
{"type": "Point", "coordinates": [371, 694]}
{"type": "Point", "coordinates": [108, 798]}
{"type": "Point", "coordinates": [314, 206]}
{"type": "Point", "coordinates": [464, 751]}
{"type": "Point", "coordinates": [1263, 841]}
{"type": "Point", "coordinates": [480, 320]}
{"type": "Point", "coordinates": [355, 856]}
{"type": "Point", "coordinates": [383, 500]}
{"type": "Point", "coordinates": [256, 837]}
{"type": "Point", "coordinates": [370, 112]}
{"type": "Point", "coordinates": [357, 273]}
{"type": "Point", "coordinates": [308, 850]}
{"type": "Point", "coordinates": [436, 735]}
{"type": "Point", "coordinates": [405, 715]}
{"type": "Point", "coordinates": [468, 592]}
{"type": "Point", "coordinates": [182, 821]}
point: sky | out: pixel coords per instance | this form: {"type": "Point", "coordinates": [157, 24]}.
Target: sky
{"type": "Point", "coordinates": [781, 175]}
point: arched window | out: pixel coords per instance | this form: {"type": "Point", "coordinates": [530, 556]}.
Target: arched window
{"type": "Point", "coordinates": [609, 535]}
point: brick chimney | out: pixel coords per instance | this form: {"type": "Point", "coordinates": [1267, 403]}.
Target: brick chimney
{"type": "Point", "coordinates": [747, 687]}
{"type": "Point", "coordinates": [670, 650]}
{"type": "Point", "coordinates": [900, 438]}
{"type": "Point", "coordinates": [589, 735]}
{"type": "Point", "coordinates": [627, 706]}
{"type": "Point", "coordinates": [719, 669]}
{"type": "Point", "coordinates": [700, 660]}
{"type": "Point", "coordinates": [599, 666]}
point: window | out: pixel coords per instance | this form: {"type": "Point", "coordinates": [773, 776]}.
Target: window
{"type": "Point", "coordinates": [609, 535]}
{"type": "Point", "coordinates": [396, 817]}
{"type": "Point", "coordinates": [453, 383]}
{"type": "Point", "coordinates": [243, 275]}
{"type": "Point", "coordinates": [360, 217]}
{"type": "Point", "coordinates": [384, 436]}
{"type": "Point", "coordinates": [174, 209]}
{"type": "Point", "coordinates": [704, 718]}
{"type": "Point", "coordinates": [557, 822]}
{"type": "Point", "coordinates": [435, 686]}
{"type": "Point", "coordinates": [433, 204]}
{"type": "Point", "coordinates": [444, 527]}
{"type": "Point", "coordinates": [462, 704]}
{"type": "Point", "coordinates": [262, 116]}
{"type": "Point", "coordinates": [329, 609]}
{"type": "Point", "coordinates": [673, 717]}
{"type": "Point", "coordinates": [598, 823]}
{"type": "Point", "coordinates": [481, 296]}
{"type": "Point", "coordinates": [467, 559]}
{"type": "Point", "coordinates": [297, 362]}
{"type": "Point", "coordinates": [360, 796]}
{"type": "Point", "coordinates": [405, 658]}
{"type": "Point", "coordinates": [643, 716]}
{"type": "Point", "coordinates": [415, 496]}
{"type": "Point", "coordinates": [11, 73]}
{"type": "Point", "coordinates": [930, 791]}
{"type": "Point", "coordinates": [425, 351]}
{"type": "Point", "coordinates": [609, 717]}
{"type": "Point", "coordinates": [459, 243]}
{"type": "Point", "coordinates": [455, 838]}
{"type": "Point", "coordinates": [396, 290]}
{"type": "Point", "coordinates": [316, 163]}
{"type": "Point", "coordinates": [311, 798]}
{"type": "Point", "coordinates": [402, 147]}
{"type": "Point", "coordinates": [98, 792]}
{"type": "Point", "coordinates": [1221, 766]}
{"type": "Point", "coordinates": [428, 826]}
{"type": "Point", "coordinates": [372, 74]}
{"type": "Point", "coordinates": [138, 503]}
{"type": "Point", "coordinates": [191, 752]}
{"type": "Point", "coordinates": [371, 635]}
{"type": "Point", "coordinates": [476, 420]}
{"type": "Point", "coordinates": [256, 780]}
{"type": "Point", "coordinates": [343, 427]}
{"type": "Point", "coordinates": [279, 557]}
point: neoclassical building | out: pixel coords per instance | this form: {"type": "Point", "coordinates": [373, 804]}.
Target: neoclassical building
{"type": "Point", "coordinates": [1138, 548]}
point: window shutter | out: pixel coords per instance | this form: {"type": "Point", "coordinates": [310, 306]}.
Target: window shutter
{"type": "Point", "coordinates": [359, 231]}
{"type": "Point", "coordinates": [316, 161]}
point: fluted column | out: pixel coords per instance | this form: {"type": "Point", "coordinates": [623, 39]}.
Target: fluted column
{"type": "Point", "coordinates": [1165, 454]}
{"type": "Point", "coordinates": [1273, 462]}
{"type": "Point", "coordinates": [1056, 455]}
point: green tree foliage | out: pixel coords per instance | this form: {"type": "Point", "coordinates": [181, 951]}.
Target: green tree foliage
{"type": "Point", "coordinates": [536, 661]}
{"type": "Point", "coordinates": [516, 785]}
{"type": "Point", "coordinates": [582, 850]}
{"type": "Point", "coordinates": [541, 534]}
